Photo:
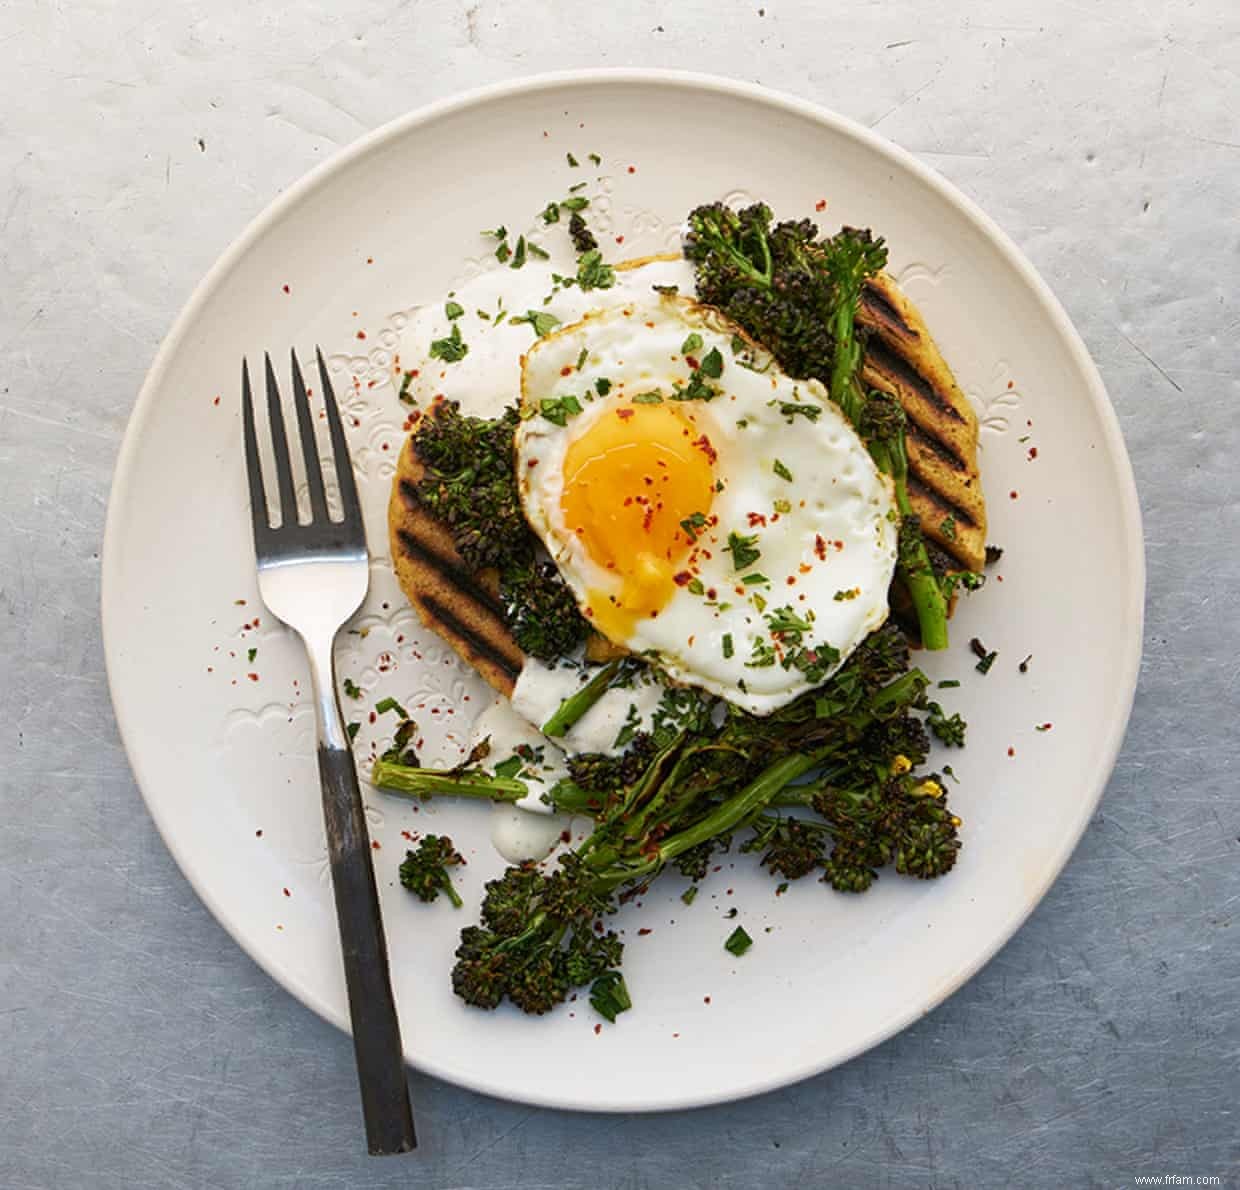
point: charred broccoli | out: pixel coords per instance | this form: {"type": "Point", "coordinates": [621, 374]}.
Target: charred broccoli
{"type": "Point", "coordinates": [469, 484]}
{"type": "Point", "coordinates": [424, 872]}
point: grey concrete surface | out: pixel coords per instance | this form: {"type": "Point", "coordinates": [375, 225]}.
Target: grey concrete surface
{"type": "Point", "coordinates": [140, 1048]}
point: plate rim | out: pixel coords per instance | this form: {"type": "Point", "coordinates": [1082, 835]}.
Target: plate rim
{"type": "Point", "coordinates": [1096, 781]}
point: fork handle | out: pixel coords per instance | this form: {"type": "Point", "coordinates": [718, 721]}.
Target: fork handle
{"type": "Point", "coordinates": [372, 1007]}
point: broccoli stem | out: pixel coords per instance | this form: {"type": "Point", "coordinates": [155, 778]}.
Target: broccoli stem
{"type": "Point", "coordinates": [417, 782]}
{"type": "Point", "coordinates": [576, 705]}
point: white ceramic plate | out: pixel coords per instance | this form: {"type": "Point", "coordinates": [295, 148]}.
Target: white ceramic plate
{"type": "Point", "coordinates": [226, 762]}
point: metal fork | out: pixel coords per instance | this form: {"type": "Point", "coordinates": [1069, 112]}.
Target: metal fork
{"type": "Point", "coordinates": [314, 576]}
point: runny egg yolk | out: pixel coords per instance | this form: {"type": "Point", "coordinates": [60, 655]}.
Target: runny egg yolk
{"type": "Point", "coordinates": [629, 481]}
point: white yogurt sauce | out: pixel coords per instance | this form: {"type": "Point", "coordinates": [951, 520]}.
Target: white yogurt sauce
{"type": "Point", "coordinates": [489, 377]}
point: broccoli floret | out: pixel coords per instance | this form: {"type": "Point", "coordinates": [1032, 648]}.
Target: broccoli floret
{"type": "Point", "coordinates": [469, 484]}
{"type": "Point", "coordinates": [791, 847]}
{"type": "Point", "coordinates": [424, 872]}
{"type": "Point", "coordinates": [950, 729]}
{"type": "Point", "coordinates": [541, 611]}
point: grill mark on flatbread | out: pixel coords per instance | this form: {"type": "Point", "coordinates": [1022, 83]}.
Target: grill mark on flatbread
{"type": "Point", "coordinates": [881, 309]}
{"type": "Point", "coordinates": [451, 570]}
{"type": "Point", "coordinates": [928, 440]}
{"type": "Point", "coordinates": [886, 359]}
{"type": "Point", "coordinates": [476, 642]}
{"type": "Point", "coordinates": [918, 487]}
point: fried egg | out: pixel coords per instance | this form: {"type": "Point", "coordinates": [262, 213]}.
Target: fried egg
{"type": "Point", "coordinates": [707, 510]}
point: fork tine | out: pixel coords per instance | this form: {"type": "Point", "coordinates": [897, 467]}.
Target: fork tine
{"type": "Point", "coordinates": [349, 502]}
{"type": "Point", "coordinates": [253, 466]}
{"type": "Point", "coordinates": [279, 448]}
{"type": "Point", "coordinates": [309, 445]}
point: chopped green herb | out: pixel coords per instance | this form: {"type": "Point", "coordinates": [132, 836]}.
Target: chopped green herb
{"type": "Point", "coordinates": [578, 202]}
{"type": "Point", "coordinates": [602, 386]}
{"type": "Point", "coordinates": [738, 942]}
{"type": "Point", "coordinates": [696, 390]}
{"type": "Point", "coordinates": [985, 658]}
{"type": "Point", "coordinates": [352, 729]}
{"type": "Point", "coordinates": [352, 689]}
{"type": "Point", "coordinates": [712, 364]}
{"type": "Point", "coordinates": [696, 587]}
{"type": "Point", "coordinates": [609, 996]}
{"type": "Point", "coordinates": [689, 893]}
{"type": "Point", "coordinates": [1024, 665]}
{"type": "Point", "coordinates": [571, 160]}
{"type": "Point", "coordinates": [500, 233]}
{"type": "Point", "coordinates": [761, 656]}
{"type": "Point", "coordinates": [510, 767]}
{"type": "Point", "coordinates": [948, 528]}
{"type": "Point", "coordinates": [596, 159]}
{"type": "Point", "coordinates": [632, 722]}
{"type": "Point", "coordinates": [518, 256]}
{"type": "Point", "coordinates": [251, 654]}
{"type": "Point", "coordinates": [758, 601]}
{"type": "Point", "coordinates": [781, 471]}
{"type": "Point", "coordinates": [782, 506]}
{"type": "Point", "coordinates": [451, 350]}
{"type": "Point", "coordinates": [390, 704]}
{"type": "Point", "coordinates": [844, 596]}
{"type": "Point", "coordinates": [535, 250]}
{"type": "Point", "coordinates": [405, 382]}
{"type": "Point", "coordinates": [551, 213]}
{"type": "Point", "coordinates": [503, 252]}
{"type": "Point", "coordinates": [691, 344]}
{"type": "Point", "coordinates": [948, 728]}
{"type": "Point", "coordinates": [792, 409]}
{"type": "Point", "coordinates": [754, 579]}
{"type": "Point", "coordinates": [743, 548]}
{"type": "Point", "coordinates": [727, 644]}
{"type": "Point", "coordinates": [738, 345]}
{"type": "Point", "coordinates": [453, 310]}
{"type": "Point", "coordinates": [948, 684]}
{"type": "Point", "coordinates": [576, 186]}
{"type": "Point", "coordinates": [558, 410]}
{"type": "Point", "coordinates": [542, 321]}
{"type": "Point", "coordinates": [592, 273]}
{"type": "Point", "coordinates": [693, 525]}
{"type": "Point", "coordinates": [650, 398]}
{"type": "Point", "coordinates": [582, 357]}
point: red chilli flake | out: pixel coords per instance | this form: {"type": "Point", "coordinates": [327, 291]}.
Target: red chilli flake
{"type": "Point", "coordinates": [1014, 495]}
{"type": "Point", "coordinates": [682, 578]}
{"type": "Point", "coordinates": [258, 834]}
{"type": "Point", "coordinates": [361, 334]}
{"type": "Point", "coordinates": [756, 519]}
{"type": "Point", "coordinates": [624, 414]}
{"type": "Point", "coordinates": [566, 370]}
{"type": "Point", "coordinates": [252, 677]}
{"type": "Point", "coordinates": [597, 1030]}
{"type": "Point", "coordinates": [287, 893]}
{"type": "Point", "coordinates": [632, 169]}
{"type": "Point", "coordinates": [703, 444]}
{"type": "Point", "coordinates": [705, 999]}
{"type": "Point", "coordinates": [285, 288]}
{"type": "Point", "coordinates": [644, 931]}
{"type": "Point", "coordinates": [375, 844]}
{"type": "Point", "coordinates": [820, 205]}
{"type": "Point", "coordinates": [1011, 751]}
{"type": "Point", "coordinates": [1033, 452]}
{"type": "Point", "coordinates": [216, 401]}
{"type": "Point", "coordinates": [619, 239]}
{"type": "Point", "coordinates": [820, 547]}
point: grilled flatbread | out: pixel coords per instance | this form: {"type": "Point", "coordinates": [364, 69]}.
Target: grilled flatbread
{"type": "Point", "coordinates": [944, 484]}
{"type": "Point", "coordinates": [463, 607]}
{"type": "Point", "coordinates": [944, 489]}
